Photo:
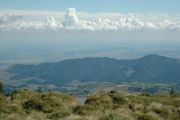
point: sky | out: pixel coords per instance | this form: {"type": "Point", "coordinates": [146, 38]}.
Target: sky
{"type": "Point", "coordinates": [147, 6]}
{"type": "Point", "coordinates": [82, 28]}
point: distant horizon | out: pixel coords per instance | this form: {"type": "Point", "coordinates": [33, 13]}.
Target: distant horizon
{"type": "Point", "coordinates": [47, 30]}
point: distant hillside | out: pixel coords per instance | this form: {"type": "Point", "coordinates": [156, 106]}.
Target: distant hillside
{"type": "Point", "coordinates": [151, 68]}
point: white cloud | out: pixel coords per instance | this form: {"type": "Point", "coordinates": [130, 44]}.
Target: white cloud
{"type": "Point", "coordinates": [39, 20]}
{"type": "Point", "coordinates": [71, 18]}
{"type": "Point", "coordinates": [8, 19]}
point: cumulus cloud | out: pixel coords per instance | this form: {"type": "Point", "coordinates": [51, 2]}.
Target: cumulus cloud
{"type": "Point", "coordinates": [71, 18]}
{"type": "Point", "coordinates": [7, 19]}
{"type": "Point", "coordinates": [98, 22]}
{"type": "Point", "coordinates": [51, 22]}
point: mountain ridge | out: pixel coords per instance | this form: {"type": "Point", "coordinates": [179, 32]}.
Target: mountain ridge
{"type": "Point", "coordinates": [150, 68]}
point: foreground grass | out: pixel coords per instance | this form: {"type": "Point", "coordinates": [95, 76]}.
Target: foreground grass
{"type": "Point", "coordinates": [31, 105]}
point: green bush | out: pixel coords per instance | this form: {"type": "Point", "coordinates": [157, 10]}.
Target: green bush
{"type": "Point", "coordinates": [58, 115]}
{"type": "Point", "coordinates": [84, 110]}
{"type": "Point", "coordinates": [146, 117]}
{"type": "Point", "coordinates": [118, 99]}
{"type": "Point", "coordinates": [113, 116]}
{"type": "Point", "coordinates": [100, 102]}
{"type": "Point", "coordinates": [109, 117]}
{"type": "Point", "coordinates": [35, 104]}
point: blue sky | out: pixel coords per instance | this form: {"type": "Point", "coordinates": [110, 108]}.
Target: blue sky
{"type": "Point", "coordinates": [143, 6]}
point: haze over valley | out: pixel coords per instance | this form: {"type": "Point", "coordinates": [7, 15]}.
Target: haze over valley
{"type": "Point", "coordinates": [76, 34]}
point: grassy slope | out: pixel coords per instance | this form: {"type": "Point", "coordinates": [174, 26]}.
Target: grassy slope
{"type": "Point", "coordinates": [31, 105]}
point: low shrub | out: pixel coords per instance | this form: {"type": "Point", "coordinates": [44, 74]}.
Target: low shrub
{"type": "Point", "coordinates": [35, 104]}
{"type": "Point", "coordinates": [147, 117]}
{"type": "Point", "coordinates": [58, 115]}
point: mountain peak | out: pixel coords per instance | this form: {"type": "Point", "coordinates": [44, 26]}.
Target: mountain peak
{"type": "Point", "coordinates": [153, 56]}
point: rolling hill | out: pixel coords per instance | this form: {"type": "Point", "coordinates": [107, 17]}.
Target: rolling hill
{"type": "Point", "coordinates": [150, 68]}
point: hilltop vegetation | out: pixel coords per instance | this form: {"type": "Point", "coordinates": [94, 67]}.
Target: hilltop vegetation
{"type": "Point", "coordinates": [33, 105]}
